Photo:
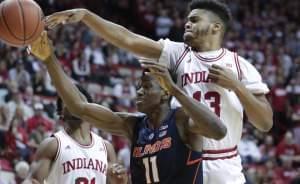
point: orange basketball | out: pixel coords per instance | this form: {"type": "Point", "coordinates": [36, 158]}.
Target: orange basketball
{"type": "Point", "coordinates": [20, 22]}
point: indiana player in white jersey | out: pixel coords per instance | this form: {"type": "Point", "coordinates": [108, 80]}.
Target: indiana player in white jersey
{"type": "Point", "coordinates": [76, 155]}
{"type": "Point", "coordinates": [211, 74]}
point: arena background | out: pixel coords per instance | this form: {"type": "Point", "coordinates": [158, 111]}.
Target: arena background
{"type": "Point", "coordinates": [266, 32]}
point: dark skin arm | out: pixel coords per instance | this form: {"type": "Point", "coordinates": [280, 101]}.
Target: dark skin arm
{"type": "Point", "coordinates": [257, 107]}
{"type": "Point", "coordinates": [109, 31]}
{"type": "Point", "coordinates": [45, 155]}
{"type": "Point", "coordinates": [76, 103]}
{"type": "Point", "coordinates": [199, 119]}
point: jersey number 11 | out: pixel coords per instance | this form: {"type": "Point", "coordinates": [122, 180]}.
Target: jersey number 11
{"type": "Point", "coordinates": [151, 161]}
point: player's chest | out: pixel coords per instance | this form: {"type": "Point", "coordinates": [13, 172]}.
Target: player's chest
{"type": "Point", "coordinates": [194, 70]}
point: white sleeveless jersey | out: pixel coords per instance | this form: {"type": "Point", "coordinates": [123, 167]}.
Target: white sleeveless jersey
{"type": "Point", "coordinates": [191, 69]}
{"type": "Point", "coordinates": [78, 164]}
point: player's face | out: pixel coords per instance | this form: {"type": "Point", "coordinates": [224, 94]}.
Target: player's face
{"type": "Point", "coordinates": [197, 27]}
{"type": "Point", "coordinates": [69, 118]}
{"type": "Point", "coordinates": [149, 94]}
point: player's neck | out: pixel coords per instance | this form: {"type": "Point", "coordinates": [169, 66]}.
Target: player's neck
{"type": "Point", "coordinates": [158, 115]}
{"type": "Point", "coordinates": [81, 134]}
{"type": "Point", "coordinates": [206, 46]}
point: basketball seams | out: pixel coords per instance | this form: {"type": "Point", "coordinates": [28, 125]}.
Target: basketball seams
{"type": "Point", "coordinates": [23, 21]}
{"type": "Point", "coordinates": [1, 23]}
{"type": "Point", "coordinates": [38, 24]}
{"type": "Point", "coordinates": [6, 24]}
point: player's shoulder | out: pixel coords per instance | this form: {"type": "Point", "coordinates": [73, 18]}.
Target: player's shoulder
{"type": "Point", "coordinates": [172, 44]}
{"type": "Point", "coordinates": [48, 148]}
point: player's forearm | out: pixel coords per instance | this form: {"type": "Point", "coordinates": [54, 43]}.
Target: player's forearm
{"type": "Point", "coordinates": [64, 86]}
{"type": "Point", "coordinates": [122, 37]}
{"type": "Point", "coordinates": [207, 122]}
{"type": "Point", "coordinates": [259, 113]}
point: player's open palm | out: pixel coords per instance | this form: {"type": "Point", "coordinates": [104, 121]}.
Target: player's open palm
{"type": "Point", "coordinates": [223, 77]}
{"type": "Point", "coordinates": [41, 48]}
{"type": "Point", "coordinates": [65, 17]}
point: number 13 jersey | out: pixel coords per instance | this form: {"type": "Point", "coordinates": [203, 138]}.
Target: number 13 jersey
{"type": "Point", "coordinates": [191, 70]}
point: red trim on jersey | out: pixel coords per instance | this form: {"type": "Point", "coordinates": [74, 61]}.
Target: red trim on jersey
{"type": "Point", "coordinates": [219, 151]}
{"type": "Point", "coordinates": [178, 62]}
{"type": "Point", "coordinates": [82, 145]}
{"type": "Point", "coordinates": [237, 64]}
{"type": "Point", "coordinates": [222, 158]}
{"type": "Point", "coordinates": [191, 162]}
{"type": "Point", "coordinates": [196, 174]}
{"type": "Point", "coordinates": [211, 59]}
{"type": "Point", "coordinates": [58, 148]}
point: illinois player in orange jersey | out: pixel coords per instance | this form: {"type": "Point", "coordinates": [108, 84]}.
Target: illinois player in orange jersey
{"type": "Point", "coordinates": [76, 155]}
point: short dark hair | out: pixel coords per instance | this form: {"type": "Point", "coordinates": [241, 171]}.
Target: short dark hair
{"type": "Point", "coordinates": [216, 6]}
{"type": "Point", "coordinates": [59, 102]}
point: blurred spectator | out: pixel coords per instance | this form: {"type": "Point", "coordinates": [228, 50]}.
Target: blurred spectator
{"type": "Point", "coordinates": [18, 101]}
{"type": "Point", "coordinates": [22, 171]}
{"type": "Point", "coordinates": [20, 75]}
{"type": "Point", "coordinates": [287, 151]}
{"type": "Point", "coordinates": [248, 149]}
{"type": "Point", "coordinates": [39, 120]}
{"type": "Point", "coordinates": [267, 149]}
{"type": "Point", "coordinates": [125, 93]}
{"type": "Point", "coordinates": [81, 67]}
{"type": "Point", "coordinates": [163, 24]}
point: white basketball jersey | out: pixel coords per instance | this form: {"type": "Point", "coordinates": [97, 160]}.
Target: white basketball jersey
{"type": "Point", "coordinates": [191, 69]}
{"type": "Point", "coordinates": [79, 164]}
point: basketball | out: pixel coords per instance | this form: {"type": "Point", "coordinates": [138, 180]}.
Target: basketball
{"type": "Point", "coordinates": [20, 22]}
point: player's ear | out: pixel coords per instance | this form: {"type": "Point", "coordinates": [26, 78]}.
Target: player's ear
{"type": "Point", "coordinates": [216, 27]}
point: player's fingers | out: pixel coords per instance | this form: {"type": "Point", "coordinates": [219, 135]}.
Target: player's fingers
{"type": "Point", "coordinates": [213, 77]}
{"type": "Point", "coordinates": [214, 71]}
{"type": "Point", "coordinates": [217, 67]}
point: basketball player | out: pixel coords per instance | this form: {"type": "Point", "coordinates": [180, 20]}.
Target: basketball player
{"type": "Point", "coordinates": [166, 143]}
{"type": "Point", "coordinates": [213, 75]}
{"type": "Point", "coordinates": [75, 154]}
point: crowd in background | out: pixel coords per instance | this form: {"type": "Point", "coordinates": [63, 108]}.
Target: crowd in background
{"type": "Point", "coordinates": [265, 32]}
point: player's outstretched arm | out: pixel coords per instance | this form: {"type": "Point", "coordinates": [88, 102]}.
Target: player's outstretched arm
{"type": "Point", "coordinates": [109, 31]}
{"type": "Point", "coordinates": [199, 118]}
{"type": "Point", "coordinates": [76, 103]}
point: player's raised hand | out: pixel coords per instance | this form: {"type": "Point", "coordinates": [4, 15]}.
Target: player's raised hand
{"type": "Point", "coordinates": [223, 77]}
{"type": "Point", "coordinates": [65, 17]}
{"type": "Point", "coordinates": [160, 72]}
{"type": "Point", "coordinates": [41, 48]}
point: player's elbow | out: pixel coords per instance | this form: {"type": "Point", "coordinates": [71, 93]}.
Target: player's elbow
{"type": "Point", "coordinates": [221, 132]}
{"type": "Point", "coordinates": [77, 109]}
{"type": "Point", "coordinates": [266, 126]}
